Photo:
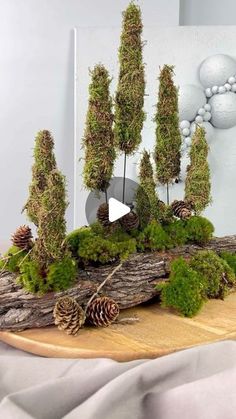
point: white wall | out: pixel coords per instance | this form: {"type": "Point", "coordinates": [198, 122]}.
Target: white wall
{"type": "Point", "coordinates": [36, 84]}
{"type": "Point", "coordinates": [186, 48]}
{"type": "Point", "coordinates": [207, 12]}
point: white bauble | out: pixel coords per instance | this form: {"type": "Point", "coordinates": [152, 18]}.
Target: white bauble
{"type": "Point", "coordinates": [227, 86]}
{"type": "Point", "coordinates": [201, 111]}
{"type": "Point", "coordinates": [186, 132]}
{"type": "Point", "coordinates": [193, 127]}
{"type": "Point", "coordinates": [233, 87]}
{"type": "Point", "coordinates": [191, 98]}
{"type": "Point", "coordinates": [188, 141]}
{"type": "Point", "coordinates": [208, 92]}
{"type": "Point", "coordinates": [216, 70]}
{"type": "Point", "coordinates": [207, 116]}
{"type": "Point", "coordinates": [209, 130]}
{"type": "Point", "coordinates": [214, 89]}
{"type": "Point", "coordinates": [184, 124]}
{"type": "Point", "coordinates": [223, 110]}
{"type": "Point", "coordinates": [199, 119]}
{"type": "Point", "coordinates": [207, 107]}
{"type": "Point", "coordinates": [232, 80]}
{"type": "Point", "coordinates": [222, 89]}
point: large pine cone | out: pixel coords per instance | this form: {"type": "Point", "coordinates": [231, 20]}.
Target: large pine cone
{"type": "Point", "coordinates": [102, 311]}
{"type": "Point", "coordinates": [130, 221]}
{"type": "Point", "coordinates": [103, 214]}
{"type": "Point", "coordinates": [22, 238]}
{"type": "Point", "coordinates": [181, 209]}
{"type": "Point", "coordinates": [68, 315]}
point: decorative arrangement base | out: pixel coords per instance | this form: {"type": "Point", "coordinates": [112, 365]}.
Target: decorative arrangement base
{"type": "Point", "coordinates": [158, 332]}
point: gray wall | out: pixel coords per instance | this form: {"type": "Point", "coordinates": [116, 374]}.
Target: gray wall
{"type": "Point", "coordinates": [36, 84]}
{"type": "Point", "coordinates": [207, 12]}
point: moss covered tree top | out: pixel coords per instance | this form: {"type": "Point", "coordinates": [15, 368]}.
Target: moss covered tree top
{"type": "Point", "coordinates": [129, 101]}
{"type": "Point", "coordinates": [99, 138]}
{"type": "Point", "coordinates": [44, 163]}
{"type": "Point", "coordinates": [198, 185]}
{"type": "Point", "coordinates": [168, 138]}
{"type": "Point", "coordinates": [147, 198]}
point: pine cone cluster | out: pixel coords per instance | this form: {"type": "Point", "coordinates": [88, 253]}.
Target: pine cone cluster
{"type": "Point", "coordinates": [103, 214]}
{"type": "Point", "coordinates": [181, 209]}
{"type": "Point", "coordinates": [130, 221]}
{"type": "Point", "coordinates": [102, 311]}
{"type": "Point", "coordinates": [22, 238]}
{"type": "Point", "coordinates": [68, 315]}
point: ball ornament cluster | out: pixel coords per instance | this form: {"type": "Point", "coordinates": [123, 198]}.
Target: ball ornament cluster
{"type": "Point", "coordinates": [213, 104]}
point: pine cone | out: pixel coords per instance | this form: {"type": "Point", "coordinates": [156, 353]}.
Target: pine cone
{"type": "Point", "coordinates": [68, 315]}
{"type": "Point", "coordinates": [181, 209]}
{"type": "Point", "coordinates": [102, 311]}
{"type": "Point", "coordinates": [22, 238]}
{"type": "Point", "coordinates": [103, 214]}
{"type": "Point", "coordinates": [130, 221]}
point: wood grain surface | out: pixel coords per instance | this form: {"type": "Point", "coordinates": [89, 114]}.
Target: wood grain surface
{"type": "Point", "coordinates": [158, 332]}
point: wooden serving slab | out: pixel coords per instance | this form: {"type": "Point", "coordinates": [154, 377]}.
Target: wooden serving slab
{"type": "Point", "coordinates": [158, 332]}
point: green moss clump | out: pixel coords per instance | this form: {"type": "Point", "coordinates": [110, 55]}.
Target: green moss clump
{"type": "Point", "coordinates": [98, 249]}
{"type": "Point", "coordinates": [185, 290]}
{"type": "Point", "coordinates": [31, 279]}
{"type": "Point", "coordinates": [177, 232]}
{"type": "Point", "coordinates": [153, 237]}
{"type": "Point", "coordinates": [129, 100]}
{"type": "Point", "coordinates": [60, 276]}
{"type": "Point", "coordinates": [12, 259]}
{"type": "Point", "coordinates": [218, 275]}
{"type": "Point", "coordinates": [198, 185]}
{"type": "Point", "coordinates": [74, 238]}
{"type": "Point", "coordinates": [199, 230]}
{"type": "Point", "coordinates": [98, 137]}
{"type": "Point", "coordinates": [230, 258]}
{"type": "Point", "coordinates": [168, 138]}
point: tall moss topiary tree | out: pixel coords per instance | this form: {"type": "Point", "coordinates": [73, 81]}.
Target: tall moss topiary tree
{"type": "Point", "coordinates": [198, 186]}
{"type": "Point", "coordinates": [129, 100]}
{"type": "Point", "coordinates": [99, 138]}
{"type": "Point", "coordinates": [44, 163]}
{"type": "Point", "coordinates": [168, 138]}
{"type": "Point", "coordinates": [147, 199]}
{"type": "Point", "coordinates": [48, 266]}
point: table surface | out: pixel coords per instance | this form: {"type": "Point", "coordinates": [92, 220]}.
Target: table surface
{"type": "Point", "coordinates": [158, 332]}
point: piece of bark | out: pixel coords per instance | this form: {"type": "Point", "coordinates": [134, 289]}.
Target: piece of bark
{"type": "Point", "coordinates": [133, 284]}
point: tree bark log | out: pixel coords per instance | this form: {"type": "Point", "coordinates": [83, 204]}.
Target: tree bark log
{"type": "Point", "coordinates": [133, 284]}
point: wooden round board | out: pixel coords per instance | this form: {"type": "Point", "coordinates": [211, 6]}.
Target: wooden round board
{"type": "Point", "coordinates": [158, 332]}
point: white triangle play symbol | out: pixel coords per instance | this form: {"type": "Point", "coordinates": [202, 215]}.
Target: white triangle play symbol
{"type": "Point", "coordinates": [117, 209]}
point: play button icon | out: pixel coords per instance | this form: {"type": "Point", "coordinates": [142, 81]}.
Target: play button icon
{"type": "Point", "coordinates": [117, 209]}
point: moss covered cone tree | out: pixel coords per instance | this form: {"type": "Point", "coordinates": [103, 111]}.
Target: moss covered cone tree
{"type": "Point", "coordinates": [48, 266]}
{"type": "Point", "coordinates": [168, 137]}
{"type": "Point", "coordinates": [49, 246]}
{"type": "Point", "coordinates": [129, 100]}
{"type": "Point", "coordinates": [99, 138]}
{"type": "Point", "coordinates": [44, 163]}
{"type": "Point", "coordinates": [147, 202]}
{"type": "Point", "coordinates": [198, 185]}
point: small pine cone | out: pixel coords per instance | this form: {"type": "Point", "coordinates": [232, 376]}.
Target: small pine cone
{"type": "Point", "coordinates": [130, 221]}
{"type": "Point", "coordinates": [103, 214]}
{"type": "Point", "coordinates": [68, 315]}
{"type": "Point", "coordinates": [102, 311]}
{"type": "Point", "coordinates": [22, 238]}
{"type": "Point", "coordinates": [181, 209]}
